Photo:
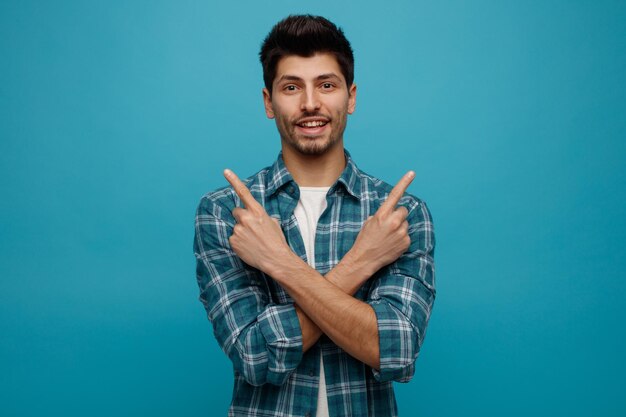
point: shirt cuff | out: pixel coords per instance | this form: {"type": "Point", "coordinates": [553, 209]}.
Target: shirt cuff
{"type": "Point", "coordinates": [397, 343]}
{"type": "Point", "coordinates": [280, 326]}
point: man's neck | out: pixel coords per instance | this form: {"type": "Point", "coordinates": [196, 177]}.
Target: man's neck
{"type": "Point", "coordinates": [315, 170]}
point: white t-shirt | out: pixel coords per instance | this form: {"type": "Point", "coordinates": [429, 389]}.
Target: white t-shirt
{"type": "Point", "coordinates": [308, 211]}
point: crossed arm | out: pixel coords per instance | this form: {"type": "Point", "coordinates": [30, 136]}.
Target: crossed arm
{"type": "Point", "coordinates": [259, 241]}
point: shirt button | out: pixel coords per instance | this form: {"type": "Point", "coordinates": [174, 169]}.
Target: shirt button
{"type": "Point", "coordinates": [307, 415]}
{"type": "Point", "coordinates": [311, 372]}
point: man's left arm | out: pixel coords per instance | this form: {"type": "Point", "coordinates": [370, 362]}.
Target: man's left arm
{"type": "Point", "coordinates": [387, 330]}
{"type": "Point", "coordinates": [402, 296]}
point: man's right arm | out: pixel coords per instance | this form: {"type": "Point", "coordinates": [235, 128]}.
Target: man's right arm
{"type": "Point", "coordinates": [265, 341]}
{"type": "Point", "coordinates": [262, 339]}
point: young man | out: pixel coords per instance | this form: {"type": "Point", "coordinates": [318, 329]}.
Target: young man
{"type": "Point", "coordinates": [318, 278]}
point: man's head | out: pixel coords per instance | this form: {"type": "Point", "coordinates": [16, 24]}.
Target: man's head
{"type": "Point", "coordinates": [308, 69]}
{"type": "Point", "coordinates": [305, 35]}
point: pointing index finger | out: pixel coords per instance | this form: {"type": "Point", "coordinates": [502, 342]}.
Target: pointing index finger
{"type": "Point", "coordinates": [396, 193]}
{"type": "Point", "coordinates": [241, 190]}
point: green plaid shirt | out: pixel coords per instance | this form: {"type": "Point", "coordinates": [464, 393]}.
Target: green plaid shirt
{"type": "Point", "coordinates": [254, 319]}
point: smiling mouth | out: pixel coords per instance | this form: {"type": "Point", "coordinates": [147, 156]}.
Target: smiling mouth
{"type": "Point", "coordinates": [312, 129]}
{"type": "Point", "coordinates": [312, 124]}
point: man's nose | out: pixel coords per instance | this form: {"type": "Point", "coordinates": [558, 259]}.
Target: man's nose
{"type": "Point", "coordinates": [310, 101]}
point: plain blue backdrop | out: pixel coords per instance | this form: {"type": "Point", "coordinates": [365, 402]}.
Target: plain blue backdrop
{"type": "Point", "coordinates": [116, 117]}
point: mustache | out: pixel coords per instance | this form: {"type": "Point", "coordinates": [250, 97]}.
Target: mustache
{"type": "Point", "coordinates": [309, 115]}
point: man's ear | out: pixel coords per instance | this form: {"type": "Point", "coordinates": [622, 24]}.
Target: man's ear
{"type": "Point", "coordinates": [267, 102]}
{"type": "Point", "coordinates": [352, 99]}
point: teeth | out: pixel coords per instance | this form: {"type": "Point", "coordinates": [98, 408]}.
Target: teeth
{"type": "Point", "coordinates": [313, 124]}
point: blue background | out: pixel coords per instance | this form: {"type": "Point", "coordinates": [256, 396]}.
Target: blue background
{"type": "Point", "coordinates": [115, 117]}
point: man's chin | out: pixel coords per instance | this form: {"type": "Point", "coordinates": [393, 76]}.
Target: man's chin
{"type": "Point", "coordinates": [311, 146]}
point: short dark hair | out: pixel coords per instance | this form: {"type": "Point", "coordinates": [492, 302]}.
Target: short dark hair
{"type": "Point", "coordinates": [305, 35]}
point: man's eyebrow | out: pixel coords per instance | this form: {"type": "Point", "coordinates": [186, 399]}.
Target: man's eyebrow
{"type": "Point", "coordinates": [327, 76]}
{"type": "Point", "coordinates": [288, 77]}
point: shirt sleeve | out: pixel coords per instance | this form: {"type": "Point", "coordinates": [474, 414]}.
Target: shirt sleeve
{"type": "Point", "coordinates": [402, 296]}
{"type": "Point", "coordinates": [262, 339]}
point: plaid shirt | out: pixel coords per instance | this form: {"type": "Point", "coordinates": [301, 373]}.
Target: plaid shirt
{"type": "Point", "coordinates": [254, 319]}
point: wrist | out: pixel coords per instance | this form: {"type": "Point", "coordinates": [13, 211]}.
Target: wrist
{"type": "Point", "coordinates": [351, 273]}
{"type": "Point", "coordinates": [277, 266]}
{"type": "Point", "coordinates": [358, 263]}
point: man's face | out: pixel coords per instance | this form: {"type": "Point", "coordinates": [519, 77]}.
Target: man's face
{"type": "Point", "coordinates": [310, 102]}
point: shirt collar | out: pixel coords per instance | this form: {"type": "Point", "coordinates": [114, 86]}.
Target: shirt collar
{"type": "Point", "coordinates": [350, 178]}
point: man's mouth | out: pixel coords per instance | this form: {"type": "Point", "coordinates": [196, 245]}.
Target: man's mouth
{"type": "Point", "coordinates": [315, 123]}
{"type": "Point", "coordinates": [312, 127]}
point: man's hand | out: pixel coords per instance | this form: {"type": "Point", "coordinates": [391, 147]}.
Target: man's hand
{"type": "Point", "coordinates": [384, 236]}
{"type": "Point", "coordinates": [257, 237]}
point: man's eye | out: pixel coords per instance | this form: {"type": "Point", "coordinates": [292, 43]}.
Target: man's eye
{"type": "Point", "coordinates": [290, 88]}
{"type": "Point", "coordinates": [327, 85]}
